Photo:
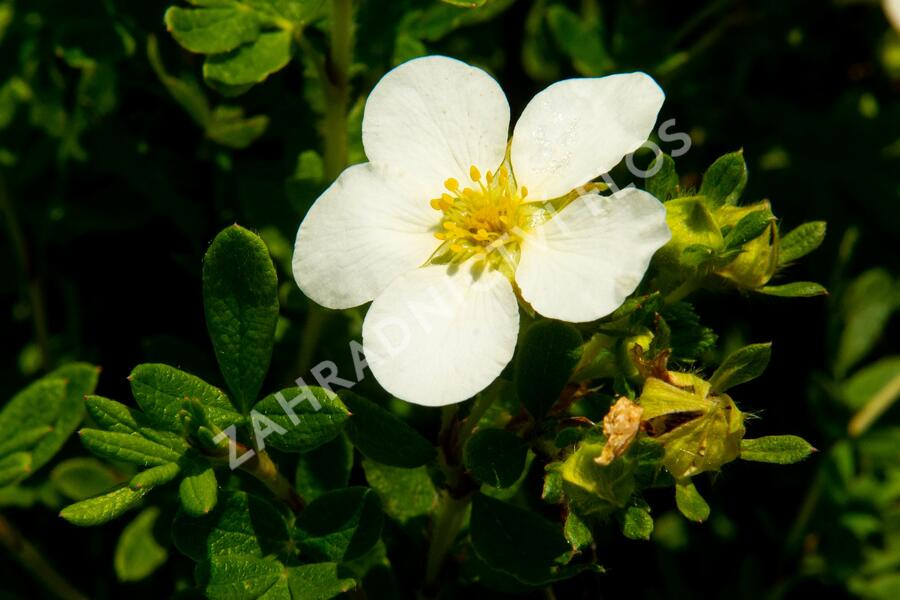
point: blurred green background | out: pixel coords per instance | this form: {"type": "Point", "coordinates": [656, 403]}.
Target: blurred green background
{"type": "Point", "coordinates": [111, 188]}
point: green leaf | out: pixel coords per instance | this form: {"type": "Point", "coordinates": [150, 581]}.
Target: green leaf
{"type": "Point", "coordinates": [725, 180]}
{"type": "Point", "coordinates": [516, 541]}
{"type": "Point", "coordinates": [198, 491]}
{"type": "Point", "coordinates": [240, 524]}
{"type": "Point", "coordinates": [751, 226]}
{"type": "Point", "coordinates": [185, 92]}
{"type": "Point", "coordinates": [80, 478]}
{"type": "Point", "coordinates": [81, 380]}
{"type": "Point", "coordinates": [801, 241]}
{"type": "Point", "coordinates": [577, 532]}
{"type": "Point", "coordinates": [160, 390]}
{"type": "Point", "coordinates": [127, 447]}
{"type": "Point", "coordinates": [325, 468]}
{"type": "Point", "coordinates": [138, 553]}
{"type": "Point", "coordinates": [384, 438]}
{"type": "Point", "coordinates": [241, 302]}
{"type": "Point", "coordinates": [404, 493]}
{"type": "Point", "coordinates": [580, 39]}
{"type": "Point", "coordinates": [778, 449]}
{"type": "Point", "coordinates": [237, 577]}
{"type": "Point", "coordinates": [114, 416]}
{"type": "Point", "coordinates": [251, 63]}
{"type": "Point", "coordinates": [155, 476]}
{"type": "Point", "coordinates": [867, 306]}
{"type": "Point", "coordinates": [214, 29]}
{"type": "Point", "coordinates": [743, 365]}
{"type": "Point", "coordinates": [314, 416]}
{"type": "Point", "coordinates": [340, 525]}
{"type": "Point", "coordinates": [229, 127]}
{"type": "Point", "coordinates": [548, 354]}
{"type": "Point", "coordinates": [36, 406]}
{"type": "Point", "coordinates": [495, 457]}
{"type": "Point", "coordinates": [637, 524]}
{"type": "Point", "coordinates": [102, 509]}
{"type": "Point", "coordinates": [690, 502]}
{"type": "Point", "coordinates": [318, 581]}
{"type": "Point", "coordinates": [872, 381]}
{"type": "Point", "coordinates": [24, 440]}
{"type": "Point", "coordinates": [796, 289]}
{"type": "Point", "coordinates": [664, 183]}
{"type": "Point", "coordinates": [14, 468]}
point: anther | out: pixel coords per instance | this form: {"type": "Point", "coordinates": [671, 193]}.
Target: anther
{"type": "Point", "coordinates": [451, 184]}
{"type": "Point", "coordinates": [474, 173]}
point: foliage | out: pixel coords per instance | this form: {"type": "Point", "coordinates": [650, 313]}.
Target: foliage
{"type": "Point", "coordinates": [134, 136]}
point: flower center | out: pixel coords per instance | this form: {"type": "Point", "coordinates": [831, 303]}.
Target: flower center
{"type": "Point", "coordinates": [480, 220]}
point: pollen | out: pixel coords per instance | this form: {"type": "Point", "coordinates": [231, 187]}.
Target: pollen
{"type": "Point", "coordinates": [483, 219]}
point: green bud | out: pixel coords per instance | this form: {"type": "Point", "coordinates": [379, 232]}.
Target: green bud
{"type": "Point", "coordinates": [593, 488]}
{"type": "Point", "coordinates": [699, 429]}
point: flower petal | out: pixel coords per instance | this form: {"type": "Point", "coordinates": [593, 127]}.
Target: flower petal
{"type": "Point", "coordinates": [439, 335]}
{"type": "Point", "coordinates": [435, 117]}
{"type": "Point", "coordinates": [578, 129]}
{"type": "Point", "coordinates": [360, 234]}
{"type": "Point", "coordinates": [583, 263]}
{"type": "Point", "coordinates": [892, 9]}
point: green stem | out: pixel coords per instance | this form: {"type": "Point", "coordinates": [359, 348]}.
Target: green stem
{"type": "Point", "coordinates": [32, 560]}
{"type": "Point", "coordinates": [263, 468]}
{"type": "Point", "coordinates": [483, 402]}
{"type": "Point", "coordinates": [448, 521]}
{"type": "Point", "coordinates": [33, 287]}
{"type": "Point", "coordinates": [875, 407]}
{"type": "Point", "coordinates": [681, 292]}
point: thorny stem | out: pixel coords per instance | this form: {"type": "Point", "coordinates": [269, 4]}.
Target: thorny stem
{"type": "Point", "coordinates": [31, 558]}
{"type": "Point", "coordinates": [32, 281]}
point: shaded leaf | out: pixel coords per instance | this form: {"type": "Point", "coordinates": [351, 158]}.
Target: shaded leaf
{"type": "Point", "coordinates": [796, 289]}
{"type": "Point", "coordinates": [741, 366]}
{"type": "Point", "coordinates": [102, 509]}
{"type": "Point", "coordinates": [547, 355]}
{"type": "Point", "coordinates": [138, 553]}
{"type": "Point", "coordinates": [495, 457]}
{"type": "Point", "coordinates": [690, 502]}
{"type": "Point", "coordinates": [404, 493]}
{"type": "Point", "coordinates": [384, 438]}
{"type": "Point", "coordinates": [800, 241]}
{"type": "Point", "coordinates": [340, 525]}
{"type": "Point", "coordinates": [314, 416]}
{"type": "Point", "coordinates": [725, 180]}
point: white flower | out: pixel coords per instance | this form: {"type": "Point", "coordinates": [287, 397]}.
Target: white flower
{"type": "Point", "coordinates": [892, 9]}
{"type": "Point", "coordinates": [447, 222]}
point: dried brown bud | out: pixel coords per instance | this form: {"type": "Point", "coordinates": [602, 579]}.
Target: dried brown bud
{"type": "Point", "coordinates": [620, 426]}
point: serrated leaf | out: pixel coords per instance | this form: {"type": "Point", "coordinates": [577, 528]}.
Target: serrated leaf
{"type": "Point", "coordinates": [516, 541]}
{"type": "Point", "coordinates": [547, 355]}
{"type": "Point", "coordinates": [138, 553]}
{"type": "Point", "coordinates": [778, 449]}
{"type": "Point", "coordinates": [325, 468]}
{"type": "Point", "coordinates": [743, 365]}
{"type": "Point", "coordinates": [102, 509]}
{"type": "Point", "coordinates": [689, 501]}
{"type": "Point", "coordinates": [637, 524]}
{"type": "Point", "coordinates": [725, 180]}
{"type": "Point", "coordinates": [800, 241]}
{"type": "Point", "coordinates": [241, 302]}
{"type": "Point", "coordinates": [198, 491]}
{"type": "Point", "coordinates": [80, 478]}
{"type": "Point", "coordinates": [315, 416]}
{"type": "Point", "coordinates": [160, 390]}
{"type": "Point", "coordinates": [688, 338]}
{"type": "Point", "coordinates": [664, 183]}
{"type": "Point", "coordinates": [340, 525]}
{"type": "Point", "coordinates": [495, 457]}
{"type": "Point", "coordinates": [384, 438]}
{"type": "Point", "coordinates": [404, 493]}
{"type": "Point", "coordinates": [253, 62]}
{"type": "Point", "coordinates": [127, 447]}
{"type": "Point", "coordinates": [796, 289]}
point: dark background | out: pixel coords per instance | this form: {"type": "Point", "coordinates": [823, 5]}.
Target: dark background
{"type": "Point", "coordinates": [115, 239]}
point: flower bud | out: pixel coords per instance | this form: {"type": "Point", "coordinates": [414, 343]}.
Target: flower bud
{"type": "Point", "coordinates": [700, 430]}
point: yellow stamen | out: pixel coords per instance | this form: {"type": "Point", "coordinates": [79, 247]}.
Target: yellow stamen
{"type": "Point", "coordinates": [474, 173]}
{"type": "Point", "coordinates": [451, 184]}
